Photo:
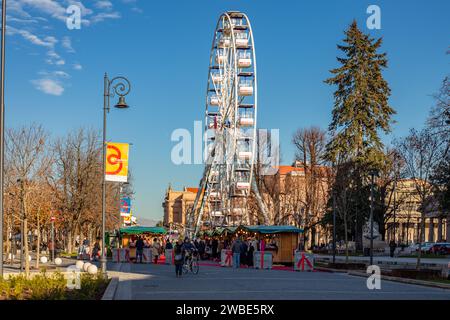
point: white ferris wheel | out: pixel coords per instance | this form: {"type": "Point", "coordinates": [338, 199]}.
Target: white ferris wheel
{"type": "Point", "coordinates": [230, 127]}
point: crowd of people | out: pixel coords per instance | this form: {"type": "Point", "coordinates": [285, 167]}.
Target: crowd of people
{"type": "Point", "coordinates": [210, 249]}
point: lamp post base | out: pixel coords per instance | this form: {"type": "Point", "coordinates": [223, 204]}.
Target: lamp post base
{"type": "Point", "coordinates": [104, 271]}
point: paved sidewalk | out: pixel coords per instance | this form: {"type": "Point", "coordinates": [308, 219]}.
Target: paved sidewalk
{"type": "Point", "coordinates": [389, 260]}
{"type": "Point", "coordinates": [155, 282]}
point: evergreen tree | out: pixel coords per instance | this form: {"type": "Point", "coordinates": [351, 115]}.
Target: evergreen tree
{"type": "Point", "coordinates": [360, 111]}
{"type": "Point", "coordinates": [361, 105]}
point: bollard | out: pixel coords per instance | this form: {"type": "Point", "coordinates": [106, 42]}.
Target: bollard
{"type": "Point", "coordinates": [92, 269]}
{"type": "Point", "coordinates": [79, 264]}
{"type": "Point", "coordinates": [86, 266]}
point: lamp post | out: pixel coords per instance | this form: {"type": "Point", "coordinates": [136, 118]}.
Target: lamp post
{"type": "Point", "coordinates": [120, 86]}
{"type": "Point", "coordinates": [52, 219]}
{"type": "Point", "coordinates": [2, 130]}
{"type": "Point", "coordinates": [334, 226]}
{"type": "Point", "coordinates": [372, 173]}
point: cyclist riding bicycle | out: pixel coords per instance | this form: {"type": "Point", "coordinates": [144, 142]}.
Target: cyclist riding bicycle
{"type": "Point", "coordinates": [189, 248]}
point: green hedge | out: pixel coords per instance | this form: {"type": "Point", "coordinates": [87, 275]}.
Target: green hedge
{"type": "Point", "coordinates": [53, 287]}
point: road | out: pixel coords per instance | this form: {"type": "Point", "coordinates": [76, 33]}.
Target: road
{"type": "Point", "coordinates": [155, 282]}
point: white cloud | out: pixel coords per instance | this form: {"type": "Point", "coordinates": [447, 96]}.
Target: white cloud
{"type": "Point", "coordinates": [67, 44]}
{"type": "Point", "coordinates": [48, 41]}
{"type": "Point", "coordinates": [61, 74]}
{"type": "Point", "coordinates": [104, 4]}
{"type": "Point", "coordinates": [48, 86]}
{"type": "Point", "coordinates": [105, 15]}
{"type": "Point", "coordinates": [77, 66]}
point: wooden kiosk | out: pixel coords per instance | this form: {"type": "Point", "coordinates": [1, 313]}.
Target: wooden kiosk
{"type": "Point", "coordinates": [128, 236]}
{"type": "Point", "coordinates": [281, 241]}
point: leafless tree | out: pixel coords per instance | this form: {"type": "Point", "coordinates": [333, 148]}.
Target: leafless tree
{"type": "Point", "coordinates": [420, 151]}
{"type": "Point", "coordinates": [29, 163]}
{"type": "Point", "coordinates": [310, 144]}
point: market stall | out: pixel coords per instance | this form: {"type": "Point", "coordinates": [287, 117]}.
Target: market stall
{"type": "Point", "coordinates": [129, 235]}
{"type": "Point", "coordinates": [280, 241]}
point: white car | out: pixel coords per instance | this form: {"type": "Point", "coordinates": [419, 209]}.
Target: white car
{"type": "Point", "coordinates": [426, 247]}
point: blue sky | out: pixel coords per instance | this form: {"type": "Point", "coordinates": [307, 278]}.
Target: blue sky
{"type": "Point", "coordinates": [55, 75]}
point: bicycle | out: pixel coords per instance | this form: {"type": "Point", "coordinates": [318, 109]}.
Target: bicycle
{"type": "Point", "coordinates": [191, 263]}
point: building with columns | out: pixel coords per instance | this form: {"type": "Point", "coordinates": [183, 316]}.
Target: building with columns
{"type": "Point", "coordinates": [404, 222]}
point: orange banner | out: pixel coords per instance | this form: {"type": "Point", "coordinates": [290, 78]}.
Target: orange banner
{"type": "Point", "coordinates": [116, 162]}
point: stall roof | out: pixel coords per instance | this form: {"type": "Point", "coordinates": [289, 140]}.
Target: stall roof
{"type": "Point", "coordinates": [273, 229]}
{"type": "Point", "coordinates": [141, 229]}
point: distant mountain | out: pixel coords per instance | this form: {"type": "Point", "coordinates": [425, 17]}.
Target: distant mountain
{"type": "Point", "coordinates": [146, 222]}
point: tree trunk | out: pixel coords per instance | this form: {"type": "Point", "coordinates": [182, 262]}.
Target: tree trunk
{"type": "Point", "coordinates": [421, 234]}
{"type": "Point", "coordinates": [8, 248]}
{"type": "Point", "coordinates": [27, 251]}
{"type": "Point", "coordinates": [89, 231]}
{"type": "Point", "coordinates": [346, 238]}
{"type": "Point", "coordinates": [358, 233]}
{"type": "Point", "coordinates": [38, 245]}
{"type": "Point", "coordinates": [69, 240]}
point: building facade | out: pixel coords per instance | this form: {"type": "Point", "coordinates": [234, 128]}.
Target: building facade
{"type": "Point", "coordinates": [404, 222]}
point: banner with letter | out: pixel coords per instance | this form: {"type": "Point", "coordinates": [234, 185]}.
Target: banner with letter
{"type": "Point", "coordinates": [127, 220]}
{"type": "Point", "coordinates": [125, 206]}
{"type": "Point", "coordinates": [116, 162]}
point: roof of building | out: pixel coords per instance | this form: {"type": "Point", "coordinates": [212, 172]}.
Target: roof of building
{"type": "Point", "coordinates": [190, 189]}
{"type": "Point", "coordinates": [273, 229]}
{"type": "Point", "coordinates": [288, 169]}
{"type": "Point", "coordinates": [142, 230]}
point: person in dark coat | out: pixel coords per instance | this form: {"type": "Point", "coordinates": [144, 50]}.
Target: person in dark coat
{"type": "Point", "coordinates": [392, 247]}
{"type": "Point", "coordinates": [244, 253]}
{"type": "Point", "coordinates": [251, 250]}
{"type": "Point", "coordinates": [178, 258]}
{"type": "Point", "coordinates": [139, 249]}
{"type": "Point", "coordinates": [201, 249]}
{"type": "Point", "coordinates": [215, 244]}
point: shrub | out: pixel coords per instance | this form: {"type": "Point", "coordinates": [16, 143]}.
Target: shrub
{"type": "Point", "coordinates": [53, 287]}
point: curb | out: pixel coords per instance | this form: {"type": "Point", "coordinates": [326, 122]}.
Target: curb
{"type": "Point", "coordinates": [110, 291]}
{"type": "Point", "coordinates": [405, 280]}
{"type": "Point", "coordinates": [324, 269]}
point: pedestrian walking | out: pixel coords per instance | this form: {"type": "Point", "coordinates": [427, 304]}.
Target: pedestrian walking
{"type": "Point", "coordinates": [156, 250]}
{"type": "Point", "coordinates": [237, 249]}
{"type": "Point", "coordinates": [244, 249]}
{"type": "Point", "coordinates": [139, 249]}
{"type": "Point", "coordinates": [251, 250]}
{"type": "Point", "coordinates": [96, 250]}
{"type": "Point", "coordinates": [178, 258]}
{"type": "Point", "coordinates": [214, 246]}
{"type": "Point", "coordinates": [392, 247]}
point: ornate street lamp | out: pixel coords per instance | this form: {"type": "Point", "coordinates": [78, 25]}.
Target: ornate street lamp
{"type": "Point", "coordinates": [2, 129]}
{"type": "Point", "coordinates": [373, 173]}
{"type": "Point", "coordinates": [116, 86]}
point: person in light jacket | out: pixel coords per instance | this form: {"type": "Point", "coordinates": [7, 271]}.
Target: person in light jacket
{"type": "Point", "coordinates": [156, 248]}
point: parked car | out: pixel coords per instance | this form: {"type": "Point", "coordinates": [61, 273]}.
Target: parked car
{"type": "Point", "coordinates": [426, 247]}
{"type": "Point", "coordinates": [414, 246]}
{"type": "Point", "coordinates": [441, 248]}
